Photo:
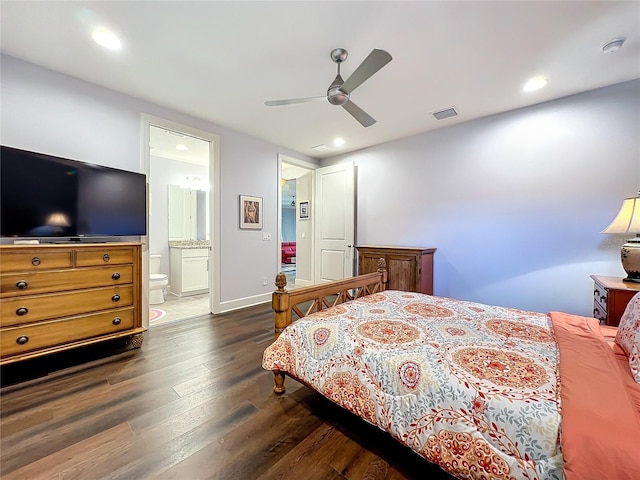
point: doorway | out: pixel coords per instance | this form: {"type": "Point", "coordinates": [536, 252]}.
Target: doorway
{"type": "Point", "coordinates": [181, 166]}
{"type": "Point", "coordinates": [295, 231]}
{"type": "Point", "coordinates": [317, 208]}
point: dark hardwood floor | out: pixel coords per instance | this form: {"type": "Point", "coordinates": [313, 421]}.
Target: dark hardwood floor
{"type": "Point", "coordinates": [192, 403]}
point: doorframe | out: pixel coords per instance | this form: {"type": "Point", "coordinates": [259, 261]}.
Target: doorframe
{"type": "Point", "coordinates": [282, 158]}
{"type": "Point", "coordinates": [214, 204]}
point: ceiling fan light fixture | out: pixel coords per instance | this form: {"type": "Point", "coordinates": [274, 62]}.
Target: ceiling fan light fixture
{"type": "Point", "coordinates": [337, 96]}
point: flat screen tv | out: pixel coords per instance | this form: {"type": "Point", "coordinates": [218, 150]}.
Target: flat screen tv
{"type": "Point", "coordinates": [46, 196]}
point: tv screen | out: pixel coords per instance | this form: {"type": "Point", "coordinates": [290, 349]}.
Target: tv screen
{"type": "Point", "coordinates": [46, 196]}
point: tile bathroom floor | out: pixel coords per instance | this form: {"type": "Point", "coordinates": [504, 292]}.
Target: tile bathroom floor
{"type": "Point", "coordinates": [177, 308]}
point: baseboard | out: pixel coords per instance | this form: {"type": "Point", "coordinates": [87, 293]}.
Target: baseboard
{"type": "Point", "coordinates": [244, 302]}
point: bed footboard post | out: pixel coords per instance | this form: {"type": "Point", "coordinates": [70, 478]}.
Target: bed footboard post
{"type": "Point", "coordinates": [278, 377]}
{"type": "Point", "coordinates": [382, 268]}
{"type": "Point", "coordinates": [280, 305]}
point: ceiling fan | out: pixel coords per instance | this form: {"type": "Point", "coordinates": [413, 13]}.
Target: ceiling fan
{"type": "Point", "coordinates": [339, 91]}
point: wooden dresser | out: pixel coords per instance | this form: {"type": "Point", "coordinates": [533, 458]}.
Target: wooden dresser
{"type": "Point", "coordinates": [409, 269]}
{"type": "Point", "coordinates": [610, 297]}
{"type": "Point", "coordinates": [62, 296]}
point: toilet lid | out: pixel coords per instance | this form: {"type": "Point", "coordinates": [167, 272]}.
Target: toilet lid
{"type": "Point", "coordinates": [157, 276]}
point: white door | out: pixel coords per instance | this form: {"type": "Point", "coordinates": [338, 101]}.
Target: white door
{"type": "Point", "coordinates": [334, 222]}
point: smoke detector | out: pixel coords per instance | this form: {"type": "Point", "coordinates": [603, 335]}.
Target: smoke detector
{"type": "Point", "coordinates": [613, 45]}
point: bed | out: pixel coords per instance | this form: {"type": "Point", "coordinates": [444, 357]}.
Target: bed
{"type": "Point", "coordinates": [485, 392]}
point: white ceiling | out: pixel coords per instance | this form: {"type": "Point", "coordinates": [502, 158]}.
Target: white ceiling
{"type": "Point", "coordinates": [221, 61]}
{"type": "Point", "coordinates": [178, 146]}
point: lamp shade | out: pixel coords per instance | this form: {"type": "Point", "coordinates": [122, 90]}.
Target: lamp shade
{"type": "Point", "coordinates": [628, 218]}
{"type": "Point", "coordinates": [628, 221]}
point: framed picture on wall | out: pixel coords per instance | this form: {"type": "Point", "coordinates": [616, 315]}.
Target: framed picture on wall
{"type": "Point", "coordinates": [304, 209]}
{"type": "Point", "coordinates": [250, 212]}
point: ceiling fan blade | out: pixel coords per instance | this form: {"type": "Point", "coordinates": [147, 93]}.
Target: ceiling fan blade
{"type": "Point", "coordinates": [360, 115]}
{"type": "Point", "coordinates": [291, 101]}
{"type": "Point", "coordinates": [374, 62]}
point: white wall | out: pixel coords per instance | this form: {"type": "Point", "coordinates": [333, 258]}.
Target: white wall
{"type": "Point", "coordinates": [513, 202]}
{"type": "Point", "coordinates": [48, 112]}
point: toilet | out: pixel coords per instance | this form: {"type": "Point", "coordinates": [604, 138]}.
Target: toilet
{"type": "Point", "coordinates": [157, 281]}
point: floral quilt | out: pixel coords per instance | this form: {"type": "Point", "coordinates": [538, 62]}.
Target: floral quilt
{"type": "Point", "coordinates": [470, 387]}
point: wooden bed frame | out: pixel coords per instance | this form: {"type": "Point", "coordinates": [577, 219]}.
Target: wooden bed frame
{"type": "Point", "coordinates": [292, 305]}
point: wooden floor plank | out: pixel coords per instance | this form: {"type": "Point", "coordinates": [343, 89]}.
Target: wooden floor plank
{"type": "Point", "coordinates": [192, 403]}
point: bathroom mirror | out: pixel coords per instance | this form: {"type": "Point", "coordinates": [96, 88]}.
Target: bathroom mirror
{"type": "Point", "coordinates": [187, 213]}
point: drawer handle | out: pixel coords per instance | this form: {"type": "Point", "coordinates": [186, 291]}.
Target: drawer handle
{"type": "Point", "coordinates": [35, 261]}
{"type": "Point", "coordinates": [22, 340]}
{"type": "Point", "coordinates": [115, 298]}
{"type": "Point", "coordinates": [116, 321]}
{"type": "Point", "coordinates": [22, 284]}
{"type": "Point", "coordinates": [116, 276]}
{"type": "Point", "coordinates": [602, 298]}
{"type": "Point", "coordinates": [22, 311]}
{"type": "Point", "coordinates": [106, 257]}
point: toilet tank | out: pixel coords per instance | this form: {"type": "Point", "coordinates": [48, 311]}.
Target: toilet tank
{"type": "Point", "coordinates": [154, 263]}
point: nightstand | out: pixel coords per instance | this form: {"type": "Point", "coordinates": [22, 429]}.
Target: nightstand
{"type": "Point", "coordinates": [610, 298]}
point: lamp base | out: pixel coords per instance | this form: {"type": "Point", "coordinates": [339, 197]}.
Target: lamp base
{"type": "Point", "coordinates": [630, 256]}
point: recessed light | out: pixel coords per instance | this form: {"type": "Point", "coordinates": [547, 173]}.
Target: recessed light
{"type": "Point", "coordinates": [105, 37]}
{"type": "Point", "coordinates": [536, 83]}
{"type": "Point", "coordinates": [182, 147]}
{"type": "Point", "coordinates": [338, 142]}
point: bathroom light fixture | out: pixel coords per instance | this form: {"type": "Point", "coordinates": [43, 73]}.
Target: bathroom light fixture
{"type": "Point", "coordinates": [536, 83]}
{"type": "Point", "coordinates": [105, 37]}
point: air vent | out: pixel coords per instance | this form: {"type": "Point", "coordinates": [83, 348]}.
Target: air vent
{"type": "Point", "coordinates": [321, 148]}
{"type": "Point", "coordinates": [446, 113]}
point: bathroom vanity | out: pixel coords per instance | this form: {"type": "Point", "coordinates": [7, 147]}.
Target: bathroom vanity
{"type": "Point", "coordinates": [189, 267]}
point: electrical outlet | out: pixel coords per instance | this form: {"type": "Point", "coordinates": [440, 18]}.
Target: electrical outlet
{"type": "Point", "coordinates": [264, 281]}
{"type": "Point", "coordinates": [266, 236]}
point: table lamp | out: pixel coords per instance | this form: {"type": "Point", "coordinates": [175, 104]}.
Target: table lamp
{"type": "Point", "coordinates": [628, 221]}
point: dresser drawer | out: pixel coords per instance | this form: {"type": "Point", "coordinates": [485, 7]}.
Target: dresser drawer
{"type": "Point", "coordinates": [599, 313]}
{"type": "Point", "coordinates": [60, 280]}
{"type": "Point", "coordinates": [27, 338]}
{"type": "Point", "coordinates": [31, 308]}
{"type": "Point", "coordinates": [25, 261]}
{"type": "Point", "coordinates": [600, 295]}
{"type": "Point", "coordinates": [104, 256]}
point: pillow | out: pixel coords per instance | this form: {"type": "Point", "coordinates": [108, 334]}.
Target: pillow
{"type": "Point", "coordinates": [628, 336]}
